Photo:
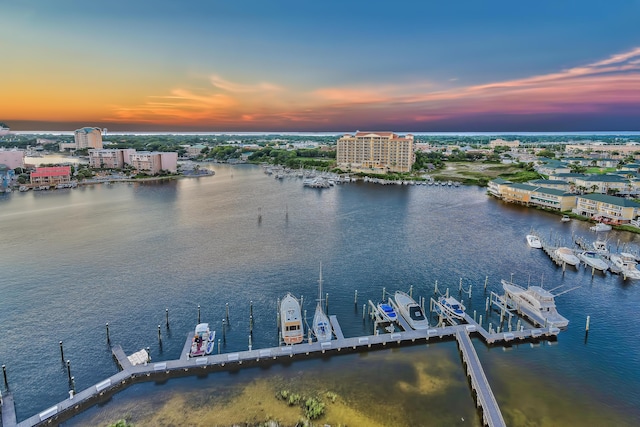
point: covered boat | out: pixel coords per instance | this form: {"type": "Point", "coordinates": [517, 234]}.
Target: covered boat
{"type": "Point", "coordinates": [567, 256]}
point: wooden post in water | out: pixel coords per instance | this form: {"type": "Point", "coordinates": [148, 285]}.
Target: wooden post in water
{"type": "Point", "coordinates": [4, 374]}
{"type": "Point", "coordinates": [108, 338]}
{"type": "Point", "coordinates": [218, 345]}
{"type": "Point", "coordinates": [474, 315]}
{"type": "Point", "coordinates": [226, 307]}
{"type": "Point", "coordinates": [61, 352]}
{"type": "Point", "coordinates": [411, 291]}
{"type": "Point", "coordinates": [224, 330]}
{"type": "Point", "coordinates": [586, 328]}
{"type": "Point", "coordinates": [364, 309]}
{"type": "Point", "coordinates": [447, 293]}
{"type": "Point", "coordinates": [435, 290]}
{"type": "Point", "coordinates": [250, 343]}
{"type": "Point", "coordinates": [326, 302]}
{"type": "Point", "coordinates": [355, 298]}
{"type": "Point", "coordinates": [460, 286]}
{"type": "Point", "coordinates": [480, 320]}
{"type": "Point", "coordinates": [251, 308]}
{"type": "Point", "coordinates": [69, 369]}
{"type": "Point", "coordinates": [198, 313]}
{"type": "Point", "coordinates": [159, 335]}
{"type": "Point", "coordinates": [166, 311]}
{"type": "Point", "coordinates": [384, 291]}
{"type": "Point", "coordinates": [73, 386]}
{"type": "Point", "coordinates": [486, 280]}
{"type": "Point", "coordinates": [486, 305]}
{"type": "Point", "coordinates": [251, 324]}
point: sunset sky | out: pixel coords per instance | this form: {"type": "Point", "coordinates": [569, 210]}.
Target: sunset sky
{"type": "Point", "coordinates": [419, 66]}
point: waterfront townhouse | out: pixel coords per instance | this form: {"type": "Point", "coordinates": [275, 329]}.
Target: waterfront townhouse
{"type": "Point", "coordinates": [552, 167]}
{"type": "Point", "coordinates": [551, 198]}
{"type": "Point", "coordinates": [496, 186]}
{"type": "Point", "coordinates": [613, 209]}
{"type": "Point", "coordinates": [152, 163]}
{"type": "Point", "coordinates": [52, 175]}
{"type": "Point", "coordinates": [379, 152]}
{"type": "Point", "coordinates": [569, 177]}
{"type": "Point", "coordinates": [602, 184]}
{"type": "Point", "coordinates": [114, 158]}
{"type": "Point", "coordinates": [518, 193]}
{"type": "Point", "coordinates": [557, 184]}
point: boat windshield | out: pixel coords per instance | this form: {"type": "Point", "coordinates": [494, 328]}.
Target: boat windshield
{"type": "Point", "coordinates": [416, 313]}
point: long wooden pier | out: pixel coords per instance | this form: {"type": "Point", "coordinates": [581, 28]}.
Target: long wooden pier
{"type": "Point", "coordinates": [184, 365]}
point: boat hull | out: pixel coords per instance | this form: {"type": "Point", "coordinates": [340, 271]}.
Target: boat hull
{"type": "Point", "coordinates": [411, 311]}
{"type": "Point", "coordinates": [291, 320]}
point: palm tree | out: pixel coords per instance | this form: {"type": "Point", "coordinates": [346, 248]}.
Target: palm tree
{"type": "Point", "coordinates": [594, 187]}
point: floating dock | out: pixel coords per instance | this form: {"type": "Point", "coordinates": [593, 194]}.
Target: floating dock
{"type": "Point", "coordinates": [160, 371]}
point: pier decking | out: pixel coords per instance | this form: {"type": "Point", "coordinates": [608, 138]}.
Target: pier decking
{"type": "Point", "coordinates": [163, 370]}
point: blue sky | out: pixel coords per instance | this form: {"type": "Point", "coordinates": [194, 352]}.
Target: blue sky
{"type": "Point", "coordinates": [321, 66]}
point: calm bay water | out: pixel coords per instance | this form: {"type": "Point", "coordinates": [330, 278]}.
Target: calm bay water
{"type": "Point", "coordinates": [73, 260]}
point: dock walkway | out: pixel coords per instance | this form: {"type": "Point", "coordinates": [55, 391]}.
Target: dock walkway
{"type": "Point", "coordinates": [484, 396]}
{"type": "Point", "coordinates": [8, 411]}
{"type": "Point", "coordinates": [162, 370]}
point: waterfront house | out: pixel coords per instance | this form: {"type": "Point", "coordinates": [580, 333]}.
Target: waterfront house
{"type": "Point", "coordinates": [570, 177]}
{"type": "Point", "coordinates": [603, 183]}
{"type": "Point", "coordinates": [616, 210]}
{"type": "Point", "coordinates": [557, 184]}
{"type": "Point", "coordinates": [551, 198]}
{"type": "Point", "coordinates": [518, 193]}
{"type": "Point", "coordinates": [552, 167]}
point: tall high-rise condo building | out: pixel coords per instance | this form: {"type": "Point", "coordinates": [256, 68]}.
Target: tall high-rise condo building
{"type": "Point", "coordinates": [88, 138]}
{"type": "Point", "coordinates": [379, 152]}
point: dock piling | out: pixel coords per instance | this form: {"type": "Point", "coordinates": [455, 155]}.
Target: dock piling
{"type": "Point", "coordinates": [355, 298]}
{"type": "Point", "coordinates": [480, 320]}
{"type": "Point", "coordinates": [198, 313]}
{"type": "Point", "coordinates": [108, 338]}
{"type": "Point", "coordinates": [226, 307]}
{"type": "Point", "coordinates": [159, 335]}
{"type": "Point", "coordinates": [166, 311]}
{"type": "Point", "coordinates": [69, 369]}
{"type": "Point", "coordinates": [250, 343]}
{"type": "Point", "coordinates": [218, 345]}
{"type": "Point", "coordinates": [474, 315]}
{"type": "Point", "coordinates": [61, 352]}
{"type": "Point", "coordinates": [4, 374]}
{"type": "Point", "coordinates": [364, 309]}
{"type": "Point", "coordinates": [251, 324]}
{"type": "Point", "coordinates": [224, 330]}
{"type": "Point", "coordinates": [486, 280]}
{"type": "Point", "coordinates": [251, 308]}
{"type": "Point", "coordinates": [384, 291]}
{"type": "Point", "coordinates": [435, 290]}
{"type": "Point", "coordinates": [586, 328]}
{"type": "Point", "coordinates": [411, 291]}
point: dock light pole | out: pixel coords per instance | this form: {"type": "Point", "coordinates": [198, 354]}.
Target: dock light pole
{"type": "Point", "coordinates": [61, 352]}
{"type": "Point", "coordinates": [108, 338]}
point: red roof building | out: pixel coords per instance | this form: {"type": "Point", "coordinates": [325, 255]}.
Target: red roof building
{"type": "Point", "coordinates": [51, 175]}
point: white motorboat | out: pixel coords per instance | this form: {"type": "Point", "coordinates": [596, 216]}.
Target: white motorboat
{"type": "Point", "coordinates": [600, 246]}
{"type": "Point", "coordinates": [451, 307]}
{"type": "Point", "coordinates": [203, 340]}
{"type": "Point", "coordinates": [594, 260]}
{"type": "Point", "coordinates": [291, 320]}
{"type": "Point", "coordinates": [600, 226]}
{"type": "Point", "coordinates": [565, 218]}
{"type": "Point", "coordinates": [411, 311]}
{"type": "Point", "coordinates": [627, 263]}
{"type": "Point", "coordinates": [536, 303]}
{"type": "Point", "coordinates": [534, 241]}
{"type": "Point", "coordinates": [387, 312]}
{"type": "Point", "coordinates": [567, 256]}
{"type": "Point", "coordinates": [321, 324]}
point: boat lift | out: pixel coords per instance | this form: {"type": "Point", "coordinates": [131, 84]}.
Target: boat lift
{"type": "Point", "coordinates": [443, 314]}
{"type": "Point", "coordinates": [378, 319]}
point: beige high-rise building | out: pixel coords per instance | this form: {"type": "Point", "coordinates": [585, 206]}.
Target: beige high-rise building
{"type": "Point", "coordinates": [88, 138]}
{"type": "Point", "coordinates": [379, 152]}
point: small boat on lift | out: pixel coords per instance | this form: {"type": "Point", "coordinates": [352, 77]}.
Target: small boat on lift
{"type": "Point", "coordinates": [627, 263]}
{"type": "Point", "coordinates": [593, 260]}
{"type": "Point", "coordinates": [203, 340]}
{"type": "Point", "coordinates": [450, 306]}
{"type": "Point", "coordinates": [387, 312]}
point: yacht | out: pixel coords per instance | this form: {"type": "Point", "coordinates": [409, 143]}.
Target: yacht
{"type": "Point", "coordinates": [321, 325]}
{"type": "Point", "coordinates": [411, 311]}
{"type": "Point", "coordinates": [593, 260]}
{"type": "Point", "coordinates": [600, 246]}
{"type": "Point", "coordinates": [291, 320]}
{"type": "Point", "coordinates": [627, 263]}
{"type": "Point", "coordinates": [600, 226]}
{"type": "Point", "coordinates": [534, 241]}
{"type": "Point", "coordinates": [450, 306]}
{"type": "Point", "coordinates": [567, 256]}
{"type": "Point", "coordinates": [536, 303]}
{"type": "Point", "coordinates": [565, 218]}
